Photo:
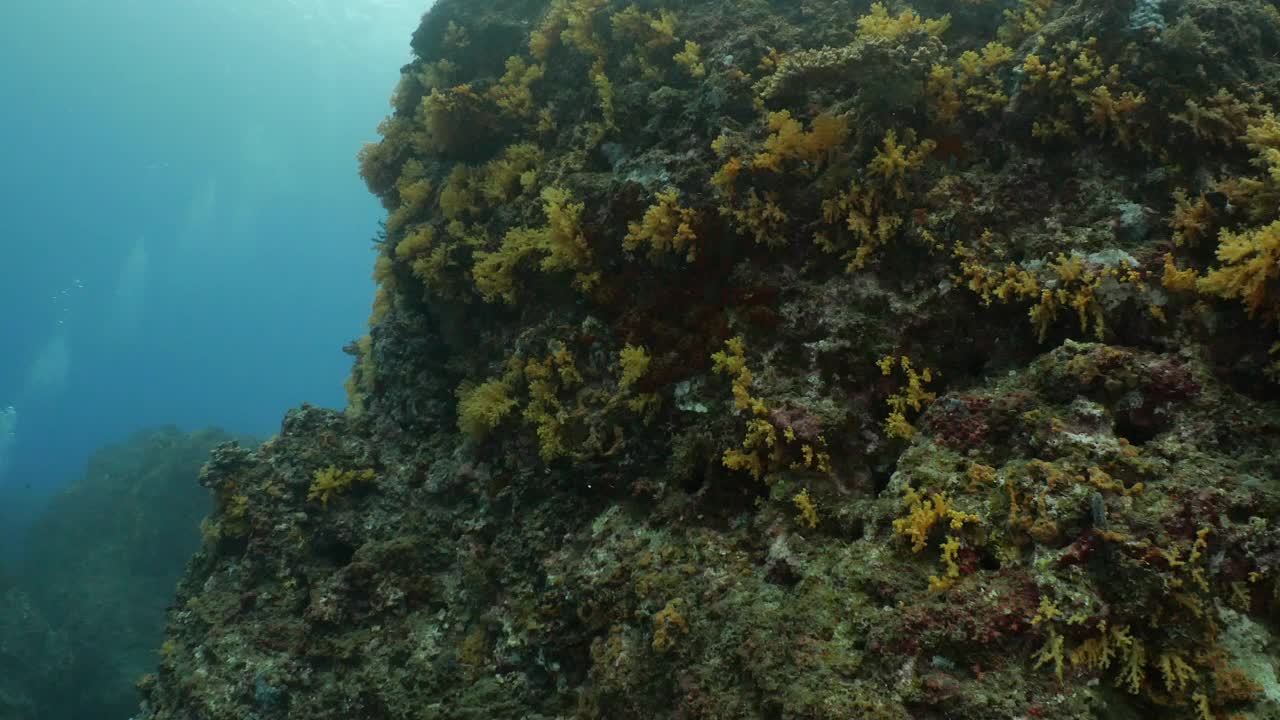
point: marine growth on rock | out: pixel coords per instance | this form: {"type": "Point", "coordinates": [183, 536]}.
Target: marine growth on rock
{"type": "Point", "coordinates": [814, 359]}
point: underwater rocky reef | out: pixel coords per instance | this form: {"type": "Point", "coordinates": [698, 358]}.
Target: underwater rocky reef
{"type": "Point", "coordinates": [805, 359]}
{"type": "Point", "coordinates": [84, 612]}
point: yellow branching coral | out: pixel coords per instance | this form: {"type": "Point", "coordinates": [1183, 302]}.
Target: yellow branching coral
{"type": "Point", "coordinates": [511, 173]}
{"type": "Point", "coordinates": [378, 162]}
{"type": "Point", "coordinates": [868, 208]}
{"type": "Point", "coordinates": [1096, 653]}
{"type": "Point", "coordinates": [364, 375]}
{"type": "Point", "coordinates": [1077, 288]}
{"type": "Point", "coordinates": [727, 175]}
{"type": "Point", "coordinates": [560, 243]}
{"type": "Point", "coordinates": [1067, 282]}
{"type": "Point", "coordinates": [604, 92]}
{"type": "Point", "coordinates": [1133, 668]}
{"type": "Point", "coordinates": [1027, 19]}
{"type": "Point", "coordinates": [1191, 219]}
{"type": "Point", "coordinates": [1085, 92]}
{"type": "Point", "coordinates": [417, 241]}
{"type": "Point", "coordinates": [950, 550]}
{"type": "Point", "coordinates": [546, 379]}
{"type": "Point", "coordinates": [1250, 266]}
{"type": "Point", "coordinates": [331, 481]}
{"type": "Point", "coordinates": [878, 24]}
{"type": "Point", "coordinates": [648, 30]}
{"type": "Point", "coordinates": [651, 36]}
{"type": "Point", "coordinates": [812, 456]}
{"type": "Point", "coordinates": [459, 196]}
{"type": "Point", "coordinates": [759, 451]}
{"type": "Point", "coordinates": [864, 215]}
{"type": "Point", "coordinates": [893, 161]}
{"type": "Point", "coordinates": [666, 227]}
{"type": "Point", "coordinates": [634, 362]}
{"type": "Point", "coordinates": [1176, 672]}
{"type": "Point", "coordinates": [513, 93]}
{"type": "Point", "coordinates": [564, 244]}
{"type": "Point", "coordinates": [383, 297]}
{"type": "Point", "coordinates": [481, 408]}
{"type": "Point", "coordinates": [923, 514]}
{"type": "Point", "coordinates": [790, 141]}
{"type": "Point", "coordinates": [669, 626]}
{"type": "Point", "coordinates": [1178, 280]}
{"type": "Point", "coordinates": [764, 447]}
{"type": "Point", "coordinates": [913, 396]}
{"type": "Point", "coordinates": [1108, 113]}
{"type": "Point", "coordinates": [732, 361]}
{"type": "Point", "coordinates": [807, 509]}
{"type": "Point", "coordinates": [1261, 195]}
{"type": "Point", "coordinates": [990, 285]}
{"type": "Point", "coordinates": [1221, 118]}
{"type": "Point", "coordinates": [973, 82]}
{"type": "Point", "coordinates": [415, 193]}
{"type": "Point", "coordinates": [452, 117]}
{"type": "Point", "coordinates": [1051, 652]}
{"type": "Point", "coordinates": [571, 22]}
{"type": "Point", "coordinates": [762, 218]}
{"type": "Point", "coordinates": [691, 59]}
{"type": "Point", "coordinates": [494, 272]}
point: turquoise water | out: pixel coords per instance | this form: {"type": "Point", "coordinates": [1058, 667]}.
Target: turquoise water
{"type": "Point", "coordinates": [183, 236]}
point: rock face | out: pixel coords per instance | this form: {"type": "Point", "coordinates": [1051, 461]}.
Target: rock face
{"type": "Point", "coordinates": [32, 655]}
{"type": "Point", "coordinates": [795, 360]}
{"type": "Point", "coordinates": [101, 563]}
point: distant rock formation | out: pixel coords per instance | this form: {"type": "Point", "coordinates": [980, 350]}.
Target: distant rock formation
{"type": "Point", "coordinates": [86, 616]}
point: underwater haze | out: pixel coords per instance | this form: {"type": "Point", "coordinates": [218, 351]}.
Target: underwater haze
{"type": "Point", "coordinates": [183, 235]}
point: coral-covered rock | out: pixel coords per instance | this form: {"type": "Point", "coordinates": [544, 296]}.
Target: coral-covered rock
{"type": "Point", "coordinates": [783, 360]}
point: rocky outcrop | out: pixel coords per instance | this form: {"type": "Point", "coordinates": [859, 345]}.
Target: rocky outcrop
{"type": "Point", "coordinates": [784, 360]}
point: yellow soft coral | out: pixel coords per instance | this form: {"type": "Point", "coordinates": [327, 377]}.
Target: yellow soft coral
{"type": "Point", "coordinates": [691, 59]}
{"type": "Point", "coordinates": [973, 81]}
{"type": "Point", "coordinates": [764, 447]}
{"type": "Point", "coordinates": [894, 160]}
{"type": "Point", "coordinates": [481, 408]}
{"type": "Point", "coordinates": [669, 626]}
{"type": "Point", "coordinates": [1260, 196]}
{"type": "Point", "coordinates": [452, 118]}
{"type": "Point", "coordinates": [760, 450]}
{"type": "Point", "coordinates": [560, 243]}
{"type": "Point", "coordinates": [1027, 19]}
{"type": "Point", "coordinates": [513, 93]}
{"type": "Point", "coordinates": [634, 362]}
{"type": "Point", "coordinates": [912, 396]}
{"type": "Point", "coordinates": [545, 412]}
{"type": "Point", "coordinates": [331, 481]}
{"type": "Point", "coordinates": [570, 22]}
{"type": "Point", "coordinates": [790, 141]}
{"type": "Point", "coordinates": [666, 227]}
{"type": "Point", "coordinates": [950, 551]}
{"type": "Point", "coordinates": [807, 509]}
{"type": "Point", "coordinates": [1250, 265]}
{"type": "Point", "coordinates": [878, 24]}
{"type": "Point", "coordinates": [732, 361]}
{"type": "Point", "coordinates": [647, 30]}
{"type": "Point", "coordinates": [924, 514]}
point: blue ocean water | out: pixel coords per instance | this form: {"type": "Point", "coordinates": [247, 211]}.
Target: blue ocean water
{"type": "Point", "coordinates": [183, 235]}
